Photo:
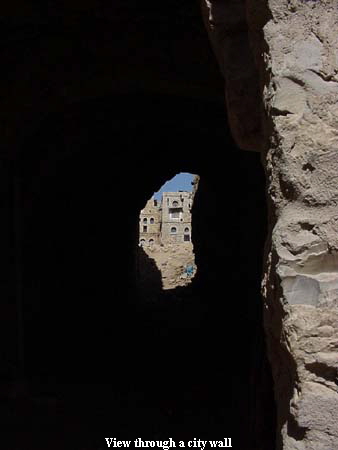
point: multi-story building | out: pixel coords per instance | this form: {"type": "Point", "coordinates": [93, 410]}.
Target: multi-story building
{"type": "Point", "coordinates": [168, 221]}
{"type": "Point", "coordinates": [176, 217]}
{"type": "Point", "coordinates": [150, 223]}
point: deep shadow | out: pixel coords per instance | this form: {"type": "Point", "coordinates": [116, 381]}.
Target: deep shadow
{"type": "Point", "coordinates": [149, 278]}
{"type": "Point", "coordinates": [100, 358]}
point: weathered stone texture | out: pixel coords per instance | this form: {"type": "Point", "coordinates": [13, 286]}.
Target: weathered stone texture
{"type": "Point", "coordinates": [172, 261]}
{"type": "Point", "coordinates": [150, 223]}
{"type": "Point", "coordinates": [294, 45]}
{"type": "Point", "coordinates": [299, 77]}
{"type": "Point", "coordinates": [227, 28]}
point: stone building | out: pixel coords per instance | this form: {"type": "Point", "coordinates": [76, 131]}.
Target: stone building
{"type": "Point", "coordinates": [168, 221]}
{"type": "Point", "coordinates": [150, 223]}
{"type": "Point", "coordinates": [176, 217]}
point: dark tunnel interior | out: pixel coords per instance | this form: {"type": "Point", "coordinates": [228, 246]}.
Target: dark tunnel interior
{"type": "Point", "coordinates": [99, 357]}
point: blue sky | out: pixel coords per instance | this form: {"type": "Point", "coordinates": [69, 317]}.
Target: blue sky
{"type": "Point", "coordinates": [180, 182]}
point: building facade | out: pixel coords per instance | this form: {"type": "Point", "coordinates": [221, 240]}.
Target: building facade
{"type": "Point", "coordinates": [150, 223]}
{"type": "Point", "coordinates": [167, 221]}
{"type": "Point", "coordinates": [176, 217]}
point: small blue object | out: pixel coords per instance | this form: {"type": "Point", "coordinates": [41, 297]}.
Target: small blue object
{"type": "Point", "coordinates": [189, 270]}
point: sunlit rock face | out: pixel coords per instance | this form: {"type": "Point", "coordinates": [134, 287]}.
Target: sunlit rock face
{"type": "Point", "coordinates": [295, 49]}
{"type": "Point", "coordinates": [176, 263]}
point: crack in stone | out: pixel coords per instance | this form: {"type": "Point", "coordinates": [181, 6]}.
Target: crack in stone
{"type": "Point", "coordinates": [278, 112]}
{"type": "Point", "coordinates": [326, 78]}
{"type": "Point", "coordinates": [323, 370]}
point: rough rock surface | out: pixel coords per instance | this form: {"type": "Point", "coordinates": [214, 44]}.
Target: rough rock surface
{"type": "Point", "coordinates": [295, 48]}
{"type": "Point", "coordinates": [228, 32]}
{"type": "Point", "coordinates": [172, 260]}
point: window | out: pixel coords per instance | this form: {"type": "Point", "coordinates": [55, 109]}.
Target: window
{"type": "Point", "coordinates": [174, 213]}
{"type": "Point", "coordinates": [175, 204]}
{"type": "Point", "coordinates": [145, 228]}
{"type": "Point", "coordinates": [187, 237]}
{"type": "Point", "coordinates": [152, 220]}
{"type": "Point", "coordinates": [151, 241]}
{"type": "Point", "coordinates": [142, 242]}
{"type": "Point", "coordinates": [186, 230]}
{"type": "Point", "coordinates": [145, 220]}
{"type": "Point", "coordinates": [173, 230]}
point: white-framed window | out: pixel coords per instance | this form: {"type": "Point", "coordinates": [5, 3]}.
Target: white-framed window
{"type": "Point", "coordinates": [145, 220]}
{"type": "Point", "coordinates": [152, 220]}
{"type": "Point", "coordinates": [175, 213]}
{"type": "Point", "coordinates": [173, 230]}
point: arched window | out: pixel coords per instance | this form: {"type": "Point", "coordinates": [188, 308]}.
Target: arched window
{"type": "Point", "coordinates": [152, 220]}
{"type": "Point", "coordinates": [186, 230]}
{"type": "Point", "coordinates": [175, 204]}
{"type": "Point", "coordinates": [173, 230]}
{"type": "Point", "coordinates": [151, 241]}
{"type": "Point", "coordinates": [142, 242]}
{"type": "Point", "coordinates": [145, 220]}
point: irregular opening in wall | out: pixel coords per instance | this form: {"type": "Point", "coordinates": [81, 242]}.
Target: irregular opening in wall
{"type": "Point", "coordinates": [166, 242]}
{"type": "Point", "coordinates": [132, 363]}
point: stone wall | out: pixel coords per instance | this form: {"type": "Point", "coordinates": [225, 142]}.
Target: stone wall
{"type": "Point", "coordinates": [293, 45]}
{"type": "Point", "coordinates": [301, 279]}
